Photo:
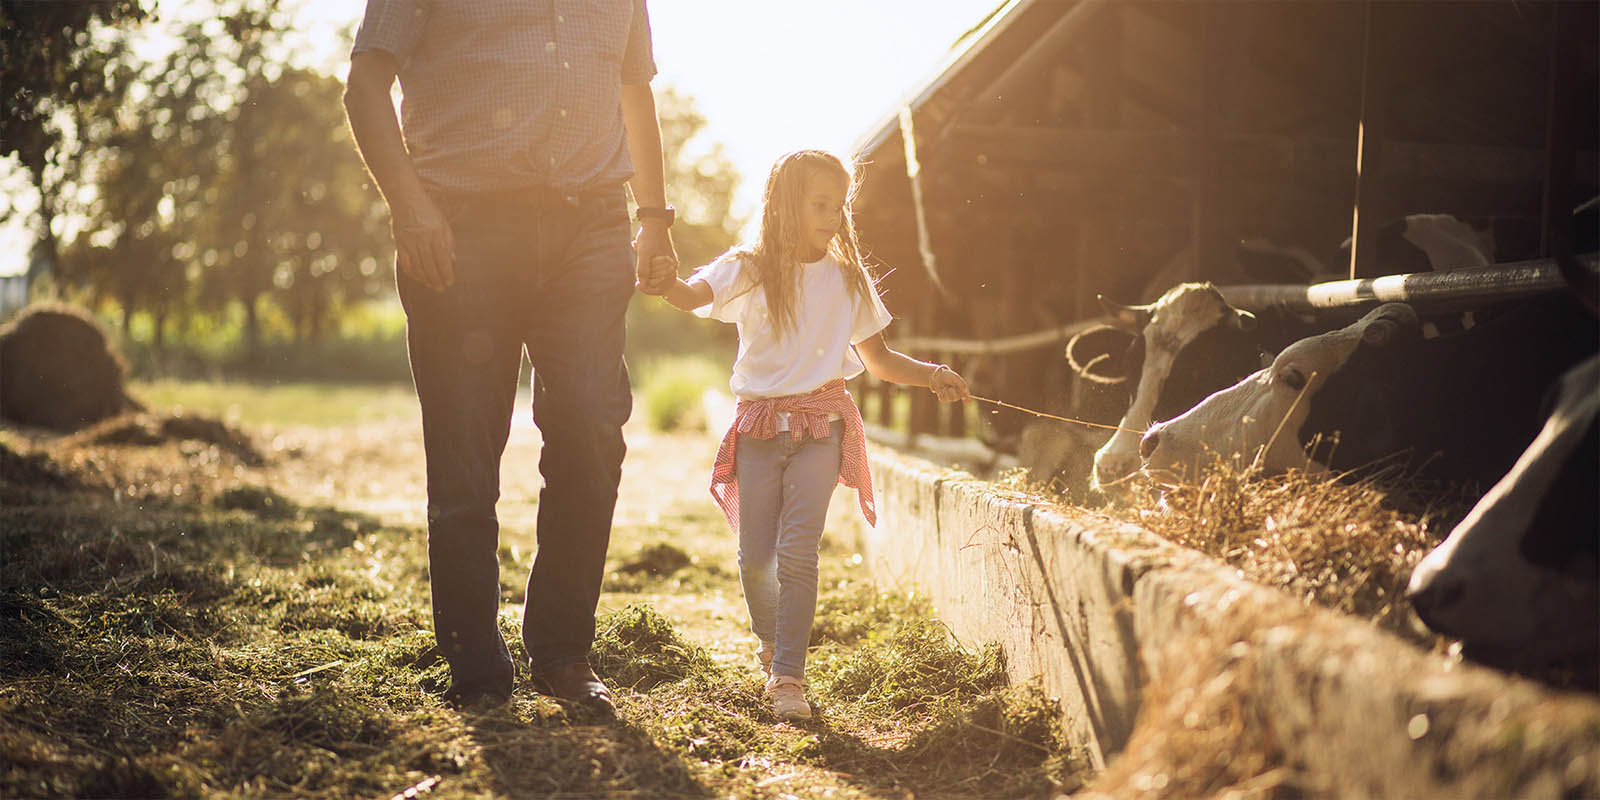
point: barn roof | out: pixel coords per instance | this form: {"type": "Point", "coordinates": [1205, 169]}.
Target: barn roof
{"type": "Point", "coordinates": [1232, 119]}
{"type": "Point", "coordinates": [1074, 148]}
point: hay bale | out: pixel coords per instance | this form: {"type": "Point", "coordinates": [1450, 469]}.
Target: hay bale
{"type": "Point", "coordinates": [58, 370]}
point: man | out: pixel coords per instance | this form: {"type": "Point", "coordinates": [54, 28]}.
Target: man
{"type": "Point", "coordinates": [521, 123]}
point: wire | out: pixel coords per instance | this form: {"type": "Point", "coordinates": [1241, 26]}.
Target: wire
{"type": "Point", "coordinates": [1052, 416]}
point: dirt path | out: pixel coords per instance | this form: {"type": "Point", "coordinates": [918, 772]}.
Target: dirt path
{"type": "Point", "coordinates": [377, 468]}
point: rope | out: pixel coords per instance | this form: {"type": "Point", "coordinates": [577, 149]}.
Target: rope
{"type": "Point", "coordinates": [1262, 453]}
{"type": "Point", "coordinates": [1052, 416]}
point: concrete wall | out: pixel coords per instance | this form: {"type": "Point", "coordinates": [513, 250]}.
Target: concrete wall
{"type": "Point", "coordinates": [1098, 610]}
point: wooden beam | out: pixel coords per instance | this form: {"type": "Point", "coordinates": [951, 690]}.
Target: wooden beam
{"type": "Point", "coordinates": [1240, 156]}
{"type": "Point", "coordinates": [986, 104]}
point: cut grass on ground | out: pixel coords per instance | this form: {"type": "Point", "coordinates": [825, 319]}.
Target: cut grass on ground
{"type": "Point", "coordinates": [225, 640]}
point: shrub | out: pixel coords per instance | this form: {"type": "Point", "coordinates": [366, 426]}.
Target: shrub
{"type": "Point", "coordinates": [673, 390]}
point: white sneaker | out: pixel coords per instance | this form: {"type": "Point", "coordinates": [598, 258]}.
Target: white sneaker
{"type": "Point", "coordinates": [788, 696]}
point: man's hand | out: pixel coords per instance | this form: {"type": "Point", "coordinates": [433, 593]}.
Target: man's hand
{"type": "Point", "coordinates": [425, 247]}
{"type": "Point", "coordinates": [663, 272]}
{"type": "Point", "coordinates": [653, 242]}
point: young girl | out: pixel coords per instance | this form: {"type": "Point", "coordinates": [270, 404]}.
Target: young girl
{"type": "Point", "coordinates": [808, 318]}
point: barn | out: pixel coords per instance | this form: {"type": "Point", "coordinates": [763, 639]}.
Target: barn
{"type": "Point", "coordinates": [1073, 148]}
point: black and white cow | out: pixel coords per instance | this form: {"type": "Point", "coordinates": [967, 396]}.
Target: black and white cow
{"type": "Point", "coordinates": [1457, 408]}
{"type": "Point", "coordinates": [1192, 319]}
{"type": "Point", "coordinates": [1191, 342]}
{"type": "Point", "coordinates": [1518, 580]}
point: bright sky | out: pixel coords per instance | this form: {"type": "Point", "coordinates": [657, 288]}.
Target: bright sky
{"type": "Point", "coordinates": [768, 76]}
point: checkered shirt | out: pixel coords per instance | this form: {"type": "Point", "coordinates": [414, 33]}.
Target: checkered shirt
{"type": "Point", "coordinates": [808, 416]}
{"type": "Point", "coordinates": [511, 94]}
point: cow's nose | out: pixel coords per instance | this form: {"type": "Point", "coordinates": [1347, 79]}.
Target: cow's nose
{"type": "Point", "coordinates": [1435, 597]}
{"type": "Point", "coordinates": [1147, 445]}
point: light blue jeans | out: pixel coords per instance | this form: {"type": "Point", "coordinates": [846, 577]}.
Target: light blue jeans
{"type": "Point", "coordinates": [784, 488]}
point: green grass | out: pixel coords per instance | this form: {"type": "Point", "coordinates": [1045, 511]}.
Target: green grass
{"type": "Point", "coordinates": [324, 404]}
{"type": "Point", "coordinates": [230, 641]}
{"type": "Point", "coordinates": [672, 391]}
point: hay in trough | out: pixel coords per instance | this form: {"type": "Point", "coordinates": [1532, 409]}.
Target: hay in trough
{"type": "Point", "coordinates": [1202, 732]}
{"type": "Point", "coordinates": [1342, 545]}
{"type": "Point", "coordinates": [59, 371]}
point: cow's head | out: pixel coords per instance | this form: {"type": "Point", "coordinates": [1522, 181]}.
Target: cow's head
{"type": "Point", "coordinates": [1257, 420]}
{"type": "Point", "coordinates": [1167, 326]}
{"type": "Point", "coordinates": [1517, 579]}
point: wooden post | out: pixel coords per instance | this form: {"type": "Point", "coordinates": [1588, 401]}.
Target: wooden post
{"type": "Point", "coordinates": [1205, 232]}
{"type": "Point", "coordinates": [1567, 23]}
{"type": "Point", "coordinates": [924, 410]}
{"type": "Point", "coordinates": [956, 413]}
{"type": "Point", "coordinates": [1371, 205]}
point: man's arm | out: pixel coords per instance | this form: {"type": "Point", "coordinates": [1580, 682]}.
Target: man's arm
{"type": "Point", "coordinates": [648, 183]}
{"type": "Point", "coordinates": [424, 244]}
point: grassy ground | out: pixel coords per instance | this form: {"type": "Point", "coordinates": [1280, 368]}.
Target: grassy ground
{"type": "Point", "coordinates": [182, 618]}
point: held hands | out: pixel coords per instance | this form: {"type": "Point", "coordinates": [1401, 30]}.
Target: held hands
{"type": "Point", "coordinates": [424, 244]}
{"type": "Point", "coordinates": [947, 385]}
{"type": "Point", "coordinates": [663, 273]}
{"type": "Point", "coordinates": [656, 263]}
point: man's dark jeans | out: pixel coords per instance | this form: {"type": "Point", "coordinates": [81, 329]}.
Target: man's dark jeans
{"type": "Point", "coordinates": [553, 276]}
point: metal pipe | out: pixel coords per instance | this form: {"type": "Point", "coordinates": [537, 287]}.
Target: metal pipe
{"type": "Point", "coordinates": [1451, 289]}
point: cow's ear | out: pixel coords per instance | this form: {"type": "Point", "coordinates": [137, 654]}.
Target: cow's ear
{"type": "Point", "coordinates": [1383, 323]}
{"type": "Point", "coordinates": [1132, 318]}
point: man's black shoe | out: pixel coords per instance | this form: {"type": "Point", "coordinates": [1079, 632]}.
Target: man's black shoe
{"type": "Point", "coordinates": [575, 683]}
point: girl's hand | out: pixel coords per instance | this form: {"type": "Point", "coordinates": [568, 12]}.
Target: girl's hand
{"type": "Point", "coordinates": [663, 270]}
{"type": "Point", "coordinates": [947, 385]}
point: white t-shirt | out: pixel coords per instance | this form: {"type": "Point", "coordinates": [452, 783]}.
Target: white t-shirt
{"type": "Point", "coordinates": [828, 321]}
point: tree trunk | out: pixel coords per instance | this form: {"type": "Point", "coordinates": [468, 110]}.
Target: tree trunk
{"type": "Point", "coordinates": [46, 254]}
{"type": "Point", "coordinates": [252, 328]}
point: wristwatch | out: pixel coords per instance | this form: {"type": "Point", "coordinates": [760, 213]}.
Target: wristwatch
{"type": "Point", "coordinates": [667, 214]}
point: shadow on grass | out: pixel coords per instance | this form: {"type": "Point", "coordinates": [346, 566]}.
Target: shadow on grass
{"type": "Point", "coordinates": [554, 751]}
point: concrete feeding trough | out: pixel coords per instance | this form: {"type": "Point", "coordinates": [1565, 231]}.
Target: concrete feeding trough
{"type": "Point", "coordinates": [1117, 622]}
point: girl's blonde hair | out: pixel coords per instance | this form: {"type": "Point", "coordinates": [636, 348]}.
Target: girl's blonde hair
{"type": "Point", "coordinates": [775, 257]}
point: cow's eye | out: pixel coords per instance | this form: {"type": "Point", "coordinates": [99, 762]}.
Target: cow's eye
{"type": "Point", "coordinates": [1293, 378]}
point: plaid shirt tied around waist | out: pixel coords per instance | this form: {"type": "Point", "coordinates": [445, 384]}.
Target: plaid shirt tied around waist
{"type": "Point", "coordinates": [808, 416]}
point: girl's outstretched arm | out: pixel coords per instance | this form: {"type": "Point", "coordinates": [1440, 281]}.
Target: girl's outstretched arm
{"type": "Point", "coordinates": [887, 364]}
{"type": "Point", "coordinates": [688, 296]}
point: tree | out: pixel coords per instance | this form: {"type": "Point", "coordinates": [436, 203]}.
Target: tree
{"type": "Point", "coordinates": [54, 67]}
{"type": "Point", "coordinates": [700, 183]}
{"type": "Point", "coordinates": [321, 215]}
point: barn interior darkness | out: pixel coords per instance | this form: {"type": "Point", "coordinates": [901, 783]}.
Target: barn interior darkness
{"type": "Point", "coordinates": [1071, 149]}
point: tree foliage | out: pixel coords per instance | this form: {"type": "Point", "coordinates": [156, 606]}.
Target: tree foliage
{"type": "Point", "coordinates": [53, 71]}
{"type": "Point", "coordinates": [218, 179]}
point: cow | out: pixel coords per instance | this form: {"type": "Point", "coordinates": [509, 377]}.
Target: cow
{"type": "Point", "coordinates": [1199, 344]}
{"type": "Point", "coordinates": [1455, 409]}
{"type": "Point", "coordinates": [1189, 314]}
{"type": "Point", "coordinates": [1518, 580]}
